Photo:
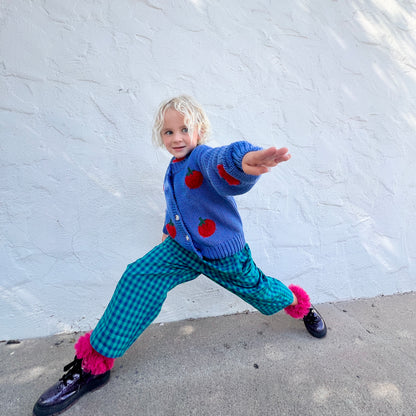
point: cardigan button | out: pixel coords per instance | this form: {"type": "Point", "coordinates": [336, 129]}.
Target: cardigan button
{"type": "Point", "coordinates": [187, 238]}
{"type": "Point", "coordinates": [177, 217]}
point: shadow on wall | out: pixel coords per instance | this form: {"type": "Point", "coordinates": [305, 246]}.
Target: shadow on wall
{"type": "Point", "coordinates": [382, 212]}
{"type": "Point", "coordinates": [358, 165]}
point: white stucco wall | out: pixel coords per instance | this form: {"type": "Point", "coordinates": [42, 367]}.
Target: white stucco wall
{"type": "Point", "coordinates": [81, 185]}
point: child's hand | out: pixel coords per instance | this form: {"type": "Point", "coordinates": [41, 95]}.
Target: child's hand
{"type": "Point", "coordinates": [260, 161]}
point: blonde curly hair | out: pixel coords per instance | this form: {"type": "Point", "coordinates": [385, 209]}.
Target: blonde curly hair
{"type": "Point", "coordinates": [194, 118]}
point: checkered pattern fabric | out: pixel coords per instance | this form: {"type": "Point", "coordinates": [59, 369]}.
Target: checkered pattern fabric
{"type": "Point", "coordinates": [143, 288]}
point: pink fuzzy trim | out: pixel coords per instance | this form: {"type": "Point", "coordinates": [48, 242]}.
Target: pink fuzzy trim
{"type": "Point", "coordinates": [302, 308]}
{"type": "Point", "coordinates": [92, 361]}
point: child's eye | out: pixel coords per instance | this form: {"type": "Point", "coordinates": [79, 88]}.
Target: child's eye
{"type": "Point", "coordinates": [185, 130]}
{"type": "Point", "coordinates": [168, 132]}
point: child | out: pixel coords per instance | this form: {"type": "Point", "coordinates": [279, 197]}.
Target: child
{"type": "Point", "coordinates": [202, 234]}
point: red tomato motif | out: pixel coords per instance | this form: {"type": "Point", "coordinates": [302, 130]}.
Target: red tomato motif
{"type": "Point", "coordinates": [226, 176]}
{"type": "Point", "coordinates": [171, 229]}
{"type": "Point", "coordinates": [206, 227]}
{"type": "Point", "coordinates": [193, 179]}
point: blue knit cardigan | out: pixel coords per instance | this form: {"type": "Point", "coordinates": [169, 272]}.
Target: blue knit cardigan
{"type": "Point", "coordinates": [201, 212]}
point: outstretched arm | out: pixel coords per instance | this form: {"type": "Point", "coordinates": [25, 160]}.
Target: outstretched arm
{"type": "Point", "coordinates": [222, 167]}
{"type": "Point", "coordinates": [260, 161]}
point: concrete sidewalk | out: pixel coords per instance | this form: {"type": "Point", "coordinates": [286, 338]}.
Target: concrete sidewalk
{"type": "Point", "coordinates": [241, 365]}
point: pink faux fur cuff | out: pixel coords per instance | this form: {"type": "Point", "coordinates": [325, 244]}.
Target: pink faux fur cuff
{"type": "Point", "coordinates": [302, 308]}
{"type": "Point", "coordinates": [92, 361]}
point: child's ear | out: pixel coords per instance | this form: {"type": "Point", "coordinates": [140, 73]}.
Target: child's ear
{"type": "Point", "coordinates": [199, 140]}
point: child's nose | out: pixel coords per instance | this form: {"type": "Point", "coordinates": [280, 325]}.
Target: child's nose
{"type": "Point", "coordinates": [177, 137]}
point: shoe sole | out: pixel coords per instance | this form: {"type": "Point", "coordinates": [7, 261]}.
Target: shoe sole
{"type": "Point", "coordinates": [58, 409]}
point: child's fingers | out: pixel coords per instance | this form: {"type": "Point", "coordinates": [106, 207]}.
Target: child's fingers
{"type": "Point", "coordinates": [256, 170]}
{"type": "Point", "coordinates": [260, 161]}
{"type": "Point", "coordinates": [281, 154]}
{"type": "Point", "coordinates": [272, 156]}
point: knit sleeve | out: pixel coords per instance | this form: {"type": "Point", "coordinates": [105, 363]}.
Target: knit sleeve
{"type": "Point", "coordinates": [222, 166]}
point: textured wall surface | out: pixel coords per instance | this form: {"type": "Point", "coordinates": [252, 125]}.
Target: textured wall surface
{"type": "Point", "coordinates": [81, 184]}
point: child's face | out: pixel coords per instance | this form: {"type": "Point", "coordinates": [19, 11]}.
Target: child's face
{"type": "Point", "coordinates": [175, 135]}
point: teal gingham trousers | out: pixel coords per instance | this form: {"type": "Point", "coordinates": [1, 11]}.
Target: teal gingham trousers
{"type": "Point", "coordinates": [143, 288]}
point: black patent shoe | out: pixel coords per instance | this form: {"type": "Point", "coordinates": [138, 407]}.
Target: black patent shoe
{"type": "Point", "coordinates": [74, 384]}
{"type": "Point", "coordinates": [314, 323]}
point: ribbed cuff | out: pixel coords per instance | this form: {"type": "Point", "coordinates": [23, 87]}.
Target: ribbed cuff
{"type": "Point", "coordinates": [233, 159]}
